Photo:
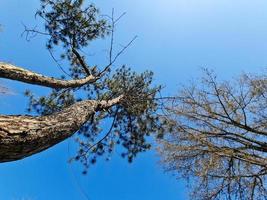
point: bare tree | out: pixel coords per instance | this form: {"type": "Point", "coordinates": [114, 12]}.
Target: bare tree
{"type": "Point", "coordinates": [218, 137]}
{"type": "Point", "coordinates": [92, 95]}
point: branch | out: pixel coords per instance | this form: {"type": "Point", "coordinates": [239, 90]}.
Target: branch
{"type": "Point", "coordinates": [82, 62]}
{"type": "Point", "coordinates": [19, 74]}
{"type": "Point", "coordinates": [112, 61]}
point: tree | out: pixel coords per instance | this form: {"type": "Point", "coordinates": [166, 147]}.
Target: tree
{"type": "Point", "coordinates": [218, 140]}
{"type": "Point", "coordinates": [93, 95]}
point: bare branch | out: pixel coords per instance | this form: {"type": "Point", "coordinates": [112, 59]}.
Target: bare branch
{"type": "Point", "coordinates": [16, 73]}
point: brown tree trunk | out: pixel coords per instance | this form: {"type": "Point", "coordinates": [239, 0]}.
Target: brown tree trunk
{"type": "Point", "coordinates": [22, 136]}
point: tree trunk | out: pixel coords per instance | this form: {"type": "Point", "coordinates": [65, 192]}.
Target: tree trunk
{"type": "Point", "coordinates": [22, 136]}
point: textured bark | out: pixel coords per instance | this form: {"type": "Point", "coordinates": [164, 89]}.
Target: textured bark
{"type": "Point", "coordinates": [22, 136]}
{"type": "Point", "coordinates": [19, 74]}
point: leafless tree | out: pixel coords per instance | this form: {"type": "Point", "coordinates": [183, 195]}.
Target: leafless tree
{"type": "Point", "coordinates": [218, 137]}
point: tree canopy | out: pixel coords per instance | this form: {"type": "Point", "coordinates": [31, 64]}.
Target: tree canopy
{"type": "Point", "coordinates": [212, 133]}
{"type": "Point", "coordinates": [218, 137]}
{"type": "Point", "coordinates": [85, 97]}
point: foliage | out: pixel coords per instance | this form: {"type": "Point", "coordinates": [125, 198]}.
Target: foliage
{"type": "Point", "coordinates": [67, 22]}
{"type": "Point", "coordinates": [131, 120]}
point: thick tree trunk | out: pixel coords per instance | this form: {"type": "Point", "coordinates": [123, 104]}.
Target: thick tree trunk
{"type": "Point", "coordinates": [22, 136]}
{"type": "Point", "coordinates": [19, 74]}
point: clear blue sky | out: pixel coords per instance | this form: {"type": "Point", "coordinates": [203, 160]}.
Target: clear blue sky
{"type": "Point", "coordinates": [175, 39]}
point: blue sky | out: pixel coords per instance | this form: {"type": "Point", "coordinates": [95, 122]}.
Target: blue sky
{"type": "Point", "coordinates": [175, 39]}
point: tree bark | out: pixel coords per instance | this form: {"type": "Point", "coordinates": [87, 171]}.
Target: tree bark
{"type": "Point", "coordinates": [22, 136]}
{"type": "Point", "coordinates": [19, 74]}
